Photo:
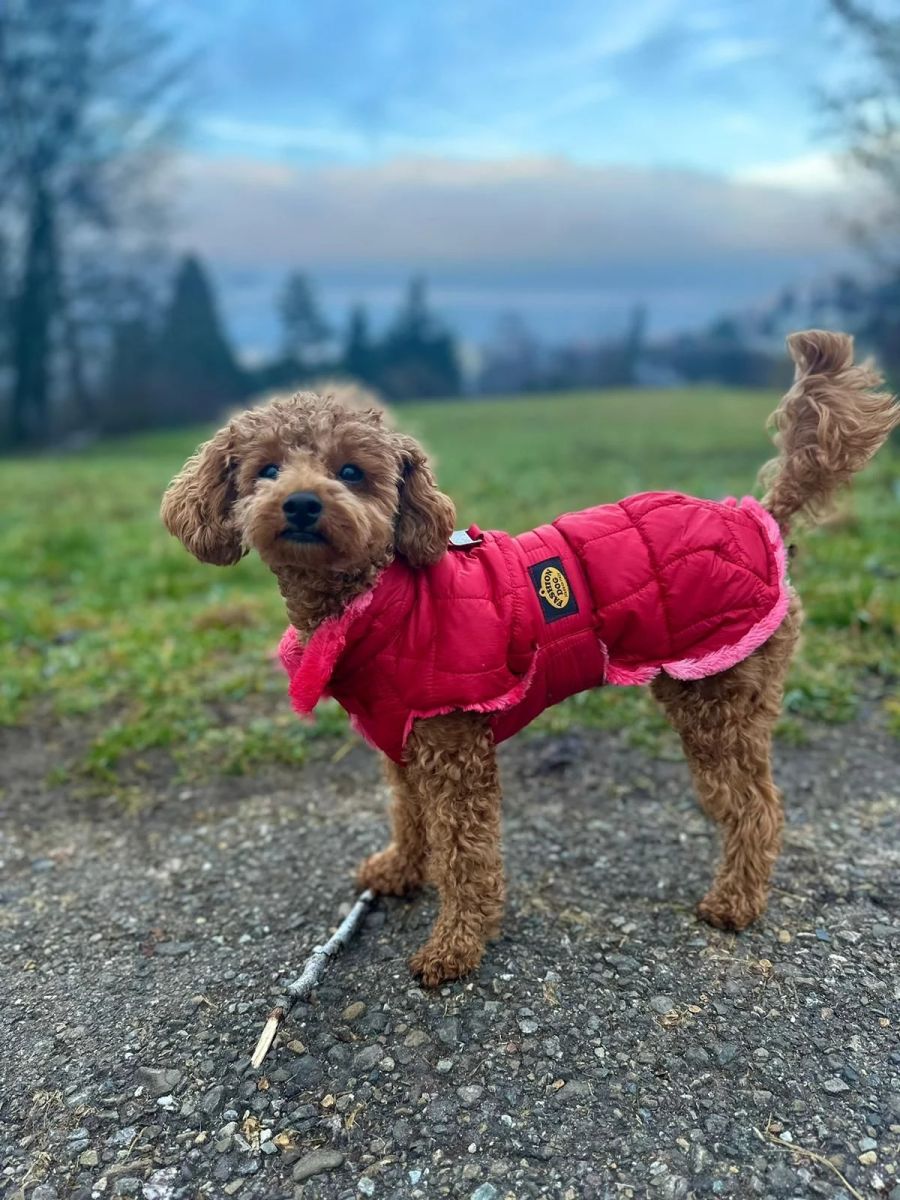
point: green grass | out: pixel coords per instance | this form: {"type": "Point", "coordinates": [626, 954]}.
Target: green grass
{"type": "Point", "coordinates": [107, 618]}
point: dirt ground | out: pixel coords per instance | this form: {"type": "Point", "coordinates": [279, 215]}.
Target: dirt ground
{"type": "Point", "coordinates": [610, 1045]}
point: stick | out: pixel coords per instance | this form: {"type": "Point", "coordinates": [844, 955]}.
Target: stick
{"type": "Point", "coordinates": [313, 970]}
{"type": "Point", "coordinates": [790, 1148]}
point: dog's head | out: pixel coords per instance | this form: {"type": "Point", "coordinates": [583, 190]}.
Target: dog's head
{"type": "Point", "coordinates": [320, 484]}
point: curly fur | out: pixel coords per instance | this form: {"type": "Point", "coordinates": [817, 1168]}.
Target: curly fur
{"type": "Point", "coordinates": [446, 806]}
{"type": "Point", "coordinates": [826, 428]}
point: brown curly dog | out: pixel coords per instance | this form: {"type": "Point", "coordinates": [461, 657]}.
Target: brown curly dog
{"type": "Point", "coordinates": [329, 495]}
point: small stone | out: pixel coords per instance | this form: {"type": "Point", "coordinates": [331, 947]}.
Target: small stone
{"type": "Point", "coordinates": [89, 1158]}
{"type": "Point", "coordinates": [366, 1185]}
{"type": "Point", "coordinates": [784, 936]}
{"type": "Point", "coordinates": [316, 1163]}
{"type": "Point", "coordinates": [353, 1012]}
{"type": "Point", "coordinates": [44, 1191]}
{"type": "Point", "coordinates": [528, 1026]}
{"type": "Point", "coordinates": [415, 1037]}
{"type": "Point", "coordinates": [575, 1089]}
{"type": "Point", "coordinates": [212, 1100]}
{"type": "Point", "coordinates": [868, 1143]}
{"type": "Point", "coordinates": [726, 1053]}
{"type": "Point", "coordinates": [448, 1031]}
{"type": "Point", "coordinates": [234, 1186]}
{"type": "Point", "coordinates": [471, 1093]}
{"type": "Point", "coordinates": [869, 1158]}
{"type": "Point", "coordinates": [823, 935]}
{"type": "Point", "coordinates": [159, 1081]}
{"type": "Point", "coordinates": [161, 1184]}
{"type": "Point", "coordinates": [369, 1057]}
{"type": "Point", "coordinates": [296, 1046]}
{"type": "Point", "coordinates": [662, 1004]}
{"type": "Point", "coordinates": [173, 949]}
{"type": "Point", "coordinates": [444, 1065]}
{"type": "Point", "coordinates": [486, 1191]}
{"type": "Point", "coordinates": [126, 1185]}
{"type": "Point", "coordinates": [835, 1086]}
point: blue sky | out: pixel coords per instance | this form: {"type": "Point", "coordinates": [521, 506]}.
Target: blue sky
{"type": "Point", "coordinates": [564, 159]}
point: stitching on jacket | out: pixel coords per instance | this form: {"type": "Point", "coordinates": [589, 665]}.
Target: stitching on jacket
{"type": "Point", "coordinates": [663, 596]}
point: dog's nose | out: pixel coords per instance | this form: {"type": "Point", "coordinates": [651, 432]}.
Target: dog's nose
{"type": "Point", "coordinates": [302, 509]}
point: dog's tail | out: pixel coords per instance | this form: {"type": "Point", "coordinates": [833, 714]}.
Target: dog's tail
{"type": "Point", "coordinates": [827, 427]}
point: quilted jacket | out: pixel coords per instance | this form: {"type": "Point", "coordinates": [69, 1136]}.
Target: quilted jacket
{"type": "Point", "coordinates": [510, 625]}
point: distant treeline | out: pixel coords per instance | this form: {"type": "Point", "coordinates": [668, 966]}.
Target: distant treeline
{"type": "Point", "coordinates": [178, 367]}
{"type": "Point", "coordinates": [743, 350]}
{"type": "Point", "coordinates": [169, 363]}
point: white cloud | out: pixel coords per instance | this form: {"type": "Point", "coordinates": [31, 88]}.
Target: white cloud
{"type": "Point", "coordinates": [521, 212]}
{"type": "Point", "coordinates": [808, 173]}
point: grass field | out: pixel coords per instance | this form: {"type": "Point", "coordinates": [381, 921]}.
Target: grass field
{"type": "Point", "coordinates": [107, 618]}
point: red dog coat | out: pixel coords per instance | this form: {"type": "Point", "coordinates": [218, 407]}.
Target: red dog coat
{"type": "Point", "coordinates": [510, 625]}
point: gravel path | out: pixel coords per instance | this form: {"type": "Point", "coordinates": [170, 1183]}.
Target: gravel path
{"type": "Point", "coordinates": [610, 1046]}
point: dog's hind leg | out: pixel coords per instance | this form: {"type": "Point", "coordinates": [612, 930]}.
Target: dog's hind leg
{"type": "Point", "coordinates": [401, 867]}
{"type": "Point", "coordinates": [725, 723]}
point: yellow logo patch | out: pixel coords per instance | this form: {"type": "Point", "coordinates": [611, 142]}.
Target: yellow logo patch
{"type": "Point", "coordinates": [554, 591]}
{"type": "Point", "coordinates": [554, 587]}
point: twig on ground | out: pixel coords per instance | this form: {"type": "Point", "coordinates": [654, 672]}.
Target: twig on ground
{"type": "Point", "coordinates": [313, 970]}
{"type": "Point", "coordinates": [770, 1137]}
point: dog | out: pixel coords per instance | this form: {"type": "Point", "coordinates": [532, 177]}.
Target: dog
{"type": "Point", "coordinates": [441, 644]}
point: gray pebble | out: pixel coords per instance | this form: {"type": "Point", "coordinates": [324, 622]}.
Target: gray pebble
{"type": "Point", "coordinates": [316, 1163]}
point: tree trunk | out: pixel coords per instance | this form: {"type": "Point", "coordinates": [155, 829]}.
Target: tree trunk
{"type": "Point", "coordinates": [33, 310]}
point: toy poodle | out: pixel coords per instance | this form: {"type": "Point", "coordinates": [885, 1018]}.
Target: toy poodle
{"type": "Point", "coordinates": [441, 644]}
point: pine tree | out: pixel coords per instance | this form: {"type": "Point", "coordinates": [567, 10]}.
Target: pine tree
{"type": "Point", "coordinates": [419, 356]}
{"type": "Point", "coordinates": [199, 373]}
{"type": "Point", "coordinates": [359, 358]}
{"type": "Point", "coordinates": [305, 330]}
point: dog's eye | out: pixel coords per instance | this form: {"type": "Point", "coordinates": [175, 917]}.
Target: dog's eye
{"type": "Point", "coordinates": [269, 471]}
{"type": "Point", "coordinates": [350, 473]}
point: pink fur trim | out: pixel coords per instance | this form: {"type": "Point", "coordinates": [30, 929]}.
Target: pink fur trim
{"type": "Point", "coordinates": [725, 656]}
{"type": "Point", "coordinates": [630, 676]}
{"type": "Point", "coordinates": [507, 700]}
{"type": "Point", "coordinates": [310, 666]}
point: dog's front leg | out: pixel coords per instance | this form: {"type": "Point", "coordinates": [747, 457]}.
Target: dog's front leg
{"type": "Point", "coordinates": [401, 867]}
{"type": "Point", "coordinates": [452, 766]}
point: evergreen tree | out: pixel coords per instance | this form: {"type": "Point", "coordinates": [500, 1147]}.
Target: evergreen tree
{"type": "Point", "coordinates": [305, 330]}
{"type": "Point", "coordinates": [419, 356]}
{"type": "Point", "coordinates": [359, 357]}
{"type": "Point", "coordinates": [199, 372]}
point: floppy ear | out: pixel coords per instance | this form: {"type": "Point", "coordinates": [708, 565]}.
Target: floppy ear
{"type": "Point", "coordinates": [426, 517]}
{"type": "Point", "coordinates": [197, 505]}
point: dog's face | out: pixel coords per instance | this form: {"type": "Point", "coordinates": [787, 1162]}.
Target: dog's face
{"type": "Point", "coordinates": [310, 483]}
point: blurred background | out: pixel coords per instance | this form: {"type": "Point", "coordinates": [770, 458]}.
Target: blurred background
{"type": "Point", "coordinates": [565, 241]}
{"type": "Point", "coordinates": [201, 202]}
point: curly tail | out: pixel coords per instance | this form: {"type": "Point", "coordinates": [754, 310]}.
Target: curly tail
{"type": "Point", "coordinates": [827, 427]}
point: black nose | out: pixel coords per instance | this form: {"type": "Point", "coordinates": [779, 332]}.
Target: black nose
{"type": "Point", "coordinates": [302, 509]}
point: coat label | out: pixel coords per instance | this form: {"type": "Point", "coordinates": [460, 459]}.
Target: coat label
{"type": "Point", "coordinates": [553, 589]}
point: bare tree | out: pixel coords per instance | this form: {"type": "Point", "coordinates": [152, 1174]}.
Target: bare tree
{"type": "Point", "coordinates": [866, 111]}
{"type": "Point", "coordinates": [89, 96]}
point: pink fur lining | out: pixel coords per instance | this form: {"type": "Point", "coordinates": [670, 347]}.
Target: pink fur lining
{"type": "Point", "coordinates": [726, 656]}
{"type": "Point", "coordinates": [318, 656]}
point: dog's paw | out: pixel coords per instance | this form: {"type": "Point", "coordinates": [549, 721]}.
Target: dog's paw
{"type": "Point", "coordinates": [437, 962]}
{"type": "Point", "coordinates": [730, 910]}
{"type": "Point", "coordinates": [388, 874]}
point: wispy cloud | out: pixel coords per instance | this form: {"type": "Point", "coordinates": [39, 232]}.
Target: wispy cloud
{"type": "Point", "coordinates": [550, 214]}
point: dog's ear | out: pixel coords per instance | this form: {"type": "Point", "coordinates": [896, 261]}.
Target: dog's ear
{"type": "Point", "coordinates": [426, 517]}
{"type": "Point", "coordinates": [197, 506]}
